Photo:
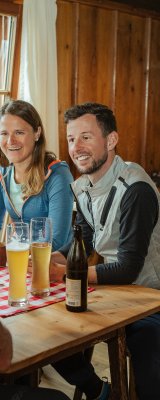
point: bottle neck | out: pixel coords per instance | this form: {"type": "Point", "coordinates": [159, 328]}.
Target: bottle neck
{"type": "Point", "coordinates": [77, 232]}
{"type": "Point", "coordinates": [78, 236]}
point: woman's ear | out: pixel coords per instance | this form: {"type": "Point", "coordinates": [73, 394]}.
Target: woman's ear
{"type": "Point", "coordinates": [38, 134]}
{"type": "Point", "coordinates": [112, 140]}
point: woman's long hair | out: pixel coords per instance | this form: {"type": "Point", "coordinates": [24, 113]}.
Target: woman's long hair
{"type": "Point", "coordinates": [40, 158]}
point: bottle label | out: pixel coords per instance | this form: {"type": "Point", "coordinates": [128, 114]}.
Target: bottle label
{"type": "Point", "coordinates": [73, 292]}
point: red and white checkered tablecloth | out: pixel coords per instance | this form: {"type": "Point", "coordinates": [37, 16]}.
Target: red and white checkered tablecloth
{"type": "Point", "coordinates": [57, 293]}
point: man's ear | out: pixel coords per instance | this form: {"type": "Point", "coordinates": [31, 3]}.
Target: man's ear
{"type": "Point", "coordinates": [112, 140]}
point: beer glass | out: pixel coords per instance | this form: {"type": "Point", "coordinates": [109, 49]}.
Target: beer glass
{"type": "Point", "coordinates": [41, 245]}
{"type": "Point", "coordinates": [17, 247]}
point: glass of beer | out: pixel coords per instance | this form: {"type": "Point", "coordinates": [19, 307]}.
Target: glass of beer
{"type": "Point", "coordinates": [41, 245]}
{"type": "Point", "coordinates": [17, 247]}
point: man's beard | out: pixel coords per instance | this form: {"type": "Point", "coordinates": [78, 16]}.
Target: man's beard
{"type": "Point", "coordinates": [96, 165]}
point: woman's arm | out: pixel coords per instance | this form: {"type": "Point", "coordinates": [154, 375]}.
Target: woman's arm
{"type": "Point", "coordinates": [60, 205]}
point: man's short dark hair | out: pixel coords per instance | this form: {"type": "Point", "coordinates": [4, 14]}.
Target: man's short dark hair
{"type": "Point", "coordinates": [104, 116]}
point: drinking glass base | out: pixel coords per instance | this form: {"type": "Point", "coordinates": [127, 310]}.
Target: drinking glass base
{"type": "Point", "coordinates": [22, 303]}
{"type": "Point", "coordinates": [40, 293]}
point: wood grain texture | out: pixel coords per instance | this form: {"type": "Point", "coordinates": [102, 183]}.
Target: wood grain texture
{"type": "Point", "coordinates": [114, 60]}
{"type": "Point", "coordinates": [153, 125]}
{"type": "Point", "coordinates": [108, 52]}
{"type": "Point", "coordinates": [130, 82]}
{"type": "Point", "coordinates": [52, 332]}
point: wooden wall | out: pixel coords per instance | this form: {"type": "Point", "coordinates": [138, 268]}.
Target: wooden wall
{"type": "Point", "coordinates": [110, 53]}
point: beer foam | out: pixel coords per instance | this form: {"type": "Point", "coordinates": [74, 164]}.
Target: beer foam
{"type": "Point", "coordinates": [17, 246]}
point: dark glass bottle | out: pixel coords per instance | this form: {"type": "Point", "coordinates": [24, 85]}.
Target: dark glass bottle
{"type": "Point", "coordinates": [77, 274]}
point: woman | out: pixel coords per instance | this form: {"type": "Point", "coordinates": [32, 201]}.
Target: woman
{"type": "Point", "coordinates": [33, 182]}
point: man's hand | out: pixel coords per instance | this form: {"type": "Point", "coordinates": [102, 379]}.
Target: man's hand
{"type": "Point", "coordinates": [57, 267]}
{"type": "Point", "coordinates": [6, 349]}
{"type": "Point", "coordinates": [57, 272]}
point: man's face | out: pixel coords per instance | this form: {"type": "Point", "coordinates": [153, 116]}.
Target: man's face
{"type": "Point", "coordinates": [86, 144]}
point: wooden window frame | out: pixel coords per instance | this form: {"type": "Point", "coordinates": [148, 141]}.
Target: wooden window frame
{"type": "Point", "coordinates": [14, 8]}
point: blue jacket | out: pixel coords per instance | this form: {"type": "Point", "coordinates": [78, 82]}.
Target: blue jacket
{"type": "Point", "coordinates": [55, 201]}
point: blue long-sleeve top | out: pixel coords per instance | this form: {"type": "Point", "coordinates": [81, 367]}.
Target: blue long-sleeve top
{"type": "Point", "coordinates": [54, 201]}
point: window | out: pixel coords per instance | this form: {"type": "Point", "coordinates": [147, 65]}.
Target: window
{"type": "Point", "coordinates": [10, 44]}
{"type": "Point", "coordinates": [7, 47]}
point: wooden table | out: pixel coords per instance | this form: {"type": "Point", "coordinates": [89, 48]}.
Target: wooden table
{"type": "Point", "coordinates": [51, 333]}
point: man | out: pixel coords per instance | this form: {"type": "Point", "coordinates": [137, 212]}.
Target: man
{"type": "Point", "coordinates": [118, 209]}
{"type": "Point", "coordinates": [13, 392]}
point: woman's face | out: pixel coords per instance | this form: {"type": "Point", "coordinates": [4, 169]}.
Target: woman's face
{"type": "Point", "coordinates": [17, 139]}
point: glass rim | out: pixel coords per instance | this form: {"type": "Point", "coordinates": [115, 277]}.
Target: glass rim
{"type": "Point", "coordinates": [40, 219]}
{"type": "Point", "coordinates": [18, 223]}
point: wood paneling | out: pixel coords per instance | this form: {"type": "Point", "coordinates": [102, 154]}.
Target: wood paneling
{"type": "Point", "coordinates": [9, 7]}
{"type": "Point", "coordinates": [110, 53]}
{"type": "Point", "coordinates": [65, 47]}
{"type": "Point", "coordinates": [129, 85]}
{"type": "Point", "coordinates": [153, 117]}
{"type": "Point", "coordinates": [97, 55]}
{"type": "Point", "coordinates": [153, 5]}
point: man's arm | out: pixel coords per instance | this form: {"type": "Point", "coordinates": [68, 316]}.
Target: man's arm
{"type": "Point", "coordinates": [6, 350]}
{"type": "Point", "coordinates": [139, 213]}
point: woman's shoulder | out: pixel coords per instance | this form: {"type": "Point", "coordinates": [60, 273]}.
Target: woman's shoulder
{"type": "Point", "coordinates": [56, 164]}
{"type": "Point", "coordinates": [59, 170]}
{"type": "Point", "coordinates": [59, 166]}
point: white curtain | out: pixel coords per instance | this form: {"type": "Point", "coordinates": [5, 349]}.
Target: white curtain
{"type": "Point", "coordinates": [38, 68]}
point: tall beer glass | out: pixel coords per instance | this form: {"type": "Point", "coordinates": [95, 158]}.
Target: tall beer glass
{"type": "Point", "coordinates": [17, 247]}
{"type": "Point", "coordinates": [41, 245]}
